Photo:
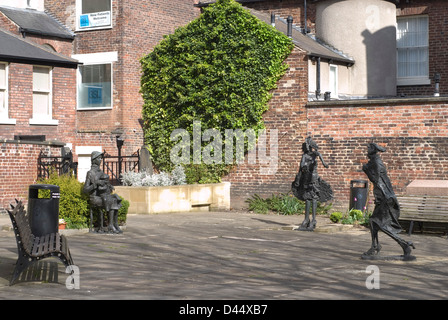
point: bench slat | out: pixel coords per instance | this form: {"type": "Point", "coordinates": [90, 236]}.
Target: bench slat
{"type": "Point", "coordinates": [424, 208]}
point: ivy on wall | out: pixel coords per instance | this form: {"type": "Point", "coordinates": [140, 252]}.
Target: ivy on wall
{"type": "Point", "coordinates": [219, 70]}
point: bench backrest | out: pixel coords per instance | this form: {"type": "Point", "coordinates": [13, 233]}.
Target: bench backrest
{"type": "Point", "coordinates": [424, 208]}
{"type": "Point", "coordinates": [20, 221]}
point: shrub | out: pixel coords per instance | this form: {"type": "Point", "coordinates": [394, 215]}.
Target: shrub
{"type": "Point", "coordinates": [123, 211]}
{"type": "Point", "coordinates": [356, 214]}
{"type": "Point", "coordinates": [336, 216]}
{"type": "Point", "coordinates": [73, 204]}
{"type": "Point", "coordinates": [285, 204]}
{"type": "Point", "coordinates": [138, 179]}
{"type": "Point", "coordinates": [218, 70]}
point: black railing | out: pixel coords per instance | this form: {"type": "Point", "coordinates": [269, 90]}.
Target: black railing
{"type": "Point", "coordinates": [62, 165]}
{"type": "Point", "coordinates": [114, 166]}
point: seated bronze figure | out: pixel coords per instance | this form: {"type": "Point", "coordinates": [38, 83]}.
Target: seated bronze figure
{"type": "Point", "coordinates": [98, 186]}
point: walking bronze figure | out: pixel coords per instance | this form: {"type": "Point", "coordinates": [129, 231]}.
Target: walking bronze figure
{"type": "Point", "coordinates": [387, 210]}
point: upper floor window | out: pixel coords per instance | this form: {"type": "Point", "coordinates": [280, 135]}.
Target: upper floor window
{"type": "Point", "coordinates": [3, 91]}
{"type": "Point", "coordinates": [95, 80]}
{"type": "Point", "coordinates": [42, 96]}
{"type": "Point", "coordinates": [94, 14]}
{"type": "Point", "coordinates": [412, 50]}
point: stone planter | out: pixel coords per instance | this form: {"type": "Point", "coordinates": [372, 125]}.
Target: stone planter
{"type": "Point", "coordinates": [183, 198]}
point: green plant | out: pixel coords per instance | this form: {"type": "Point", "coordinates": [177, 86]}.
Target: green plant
{"type": "Point", "coordinates": [353, 216]}
{"type": "Point", "coordinates": [336, 216]}
{"type": "Point", "coordinates": [291, 205]}
{"type": "Point", "coordinates": [282, 203]}
{"type": "Point", "coordinates": [73, 204]}
{"type": "Point", "coordinates": [257, 204]}
{"type": "Point", "coordinates": [218, 70]}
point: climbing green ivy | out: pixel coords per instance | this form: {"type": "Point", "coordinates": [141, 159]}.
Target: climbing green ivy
{"type": "Point", "coordinates": [219, 70]}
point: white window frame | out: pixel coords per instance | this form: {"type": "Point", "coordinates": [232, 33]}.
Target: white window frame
{"type": "Point", "coordinates": [5, 119]}
{"type": "Point", "coordinates": [414, 80]}
{"type": "Point", "coordinates": [92, 59]}
{"type": "Point", "coordinates": [48, 118]}
{"type": "Point", "coordinates": [79, 14]}
{"type": "Point", "coordinates": [336, 80]}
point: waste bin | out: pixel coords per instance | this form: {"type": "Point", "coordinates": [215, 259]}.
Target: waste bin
{"type": "Point", "coordinates": [43, 208]}
{"type": "Point", "coordinates": [358, 194]}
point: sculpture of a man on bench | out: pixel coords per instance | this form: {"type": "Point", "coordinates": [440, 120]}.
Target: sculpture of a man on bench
{"type": "Point", "coordinates": [98, 186]}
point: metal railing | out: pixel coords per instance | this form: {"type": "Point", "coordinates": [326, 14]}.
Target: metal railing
{"type": "Point", "coordinates": [114, 166]}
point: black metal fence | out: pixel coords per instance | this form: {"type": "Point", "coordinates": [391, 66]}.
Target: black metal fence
{"type": "Point", "coordinates": [62, 165]}
{"type": "Point", "coordinates": [114, 166]}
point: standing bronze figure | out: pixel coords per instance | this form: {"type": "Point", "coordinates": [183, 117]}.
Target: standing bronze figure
{"type": "Point", "coordinates": [308, 186]}
{"type": "Point", "coordinates": [387, 210]}
{"type": "Point", "coordinates": [98, 186]}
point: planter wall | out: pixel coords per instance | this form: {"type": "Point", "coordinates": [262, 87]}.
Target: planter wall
{"type": "Point", "coordinates": [184, 198]}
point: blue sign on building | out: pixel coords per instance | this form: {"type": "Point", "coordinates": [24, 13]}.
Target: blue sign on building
{"type": "Point", "coordinates": [95, 95]}
{"type": "Point", "coordinates": [84, 21]}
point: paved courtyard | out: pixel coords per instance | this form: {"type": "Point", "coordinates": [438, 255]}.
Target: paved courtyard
{"type": "Point", "coordinates": [229, 255]}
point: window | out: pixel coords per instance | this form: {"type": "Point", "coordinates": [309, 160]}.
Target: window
{"type": "Point", "coordinates": [95, 80]}
{"type": "Point", "coordinates": [412, 50]}
{"type": "Point", "coordinates": [94, 89]}
{"type": "Point", "coordinates": [94, 14]}
{"type": "Point", "coordinates": [42, 96]}
{"type": "Point", "coordinates": [4, 116]}
{"type": "Point", "coordinates": [333, 78]}
{"type": "Point", "coordinates": [3, 91]}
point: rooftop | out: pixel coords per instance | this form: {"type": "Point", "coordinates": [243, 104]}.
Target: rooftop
{"type": "Point", "coordinates": [37, 22]}
{"type": "Point", "coordinates": [16, 49]}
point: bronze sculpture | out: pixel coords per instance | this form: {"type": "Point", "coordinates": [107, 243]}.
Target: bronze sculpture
{"type": "Point", "coordinates": [308, 186]}
{"type": "Point", "coordinates": [98, 186]}
{"type": "Point", "coordinates": [387, 210]}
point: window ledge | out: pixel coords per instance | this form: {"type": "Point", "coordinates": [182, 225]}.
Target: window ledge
{"type": "Point", "coordinates": [413, 81]}
{"type": "Point", "coordinates": [44, 122]}
{"type": "Point", "coordinates": [7, 121]}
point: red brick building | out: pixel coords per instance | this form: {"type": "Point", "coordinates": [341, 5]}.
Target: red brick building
{"type": "Point", "coordinates": [100, 100]}
{"type": "Point", "coordinates": [50, 103]}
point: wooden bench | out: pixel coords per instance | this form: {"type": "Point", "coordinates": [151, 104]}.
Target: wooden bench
{"type": "Point", "coordinates": [423, 208]}
{"type": "Point", "coordinates": [32, 248]}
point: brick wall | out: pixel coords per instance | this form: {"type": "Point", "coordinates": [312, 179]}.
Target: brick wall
{"type": "Point", "coordinates": [413, 131]}
{"type": "Point", "coordinates": [287, 8]}
{"type": "Point", "coordinates": [286, 114]}
{"type": "Point", "coordinates": [18, 170]}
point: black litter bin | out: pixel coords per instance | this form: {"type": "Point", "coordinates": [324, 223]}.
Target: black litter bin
{"type": "Point", "coordinates": [43, 209]}
{"type": "Point", "coordinates": [358, 194]}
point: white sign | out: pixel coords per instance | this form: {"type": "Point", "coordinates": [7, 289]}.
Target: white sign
{"type": "Point", "coordinates": [96, 19]}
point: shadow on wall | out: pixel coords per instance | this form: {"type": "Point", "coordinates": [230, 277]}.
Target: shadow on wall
{"type": "Point", "coordinates": [381, 62]}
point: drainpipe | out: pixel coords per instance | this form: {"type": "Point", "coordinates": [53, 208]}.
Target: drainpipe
{"type": "Point", "coordinates": [437, 83]}
{"type": "Point", "coordinates": [289, 32]}
{"type": "Point", "coordinates": [273, 19]}
{"type": "Point", "coordinates": [305, 29]}
{"type": "Point", "coordinates": [317, 78]}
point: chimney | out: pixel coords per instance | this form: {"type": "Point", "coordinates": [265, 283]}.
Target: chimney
{"type": "Point", "coordinates": [289, 32]}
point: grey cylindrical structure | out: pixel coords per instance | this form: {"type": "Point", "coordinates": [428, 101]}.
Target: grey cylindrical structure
{"type": "Point", "coordinates": [43, 211]}
{"type": "Point", "coordinates": [366, 31]}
